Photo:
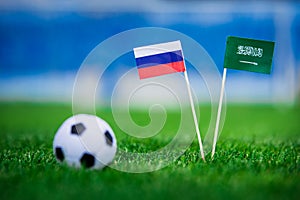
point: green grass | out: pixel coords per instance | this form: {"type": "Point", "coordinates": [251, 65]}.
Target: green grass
{"type": "Point", "coordinates": [257, 157]}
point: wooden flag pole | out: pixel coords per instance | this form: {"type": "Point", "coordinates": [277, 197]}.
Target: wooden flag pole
{"type": "Point", "coordinates": [219, 113]}
{"type": "Point", "coordinates": [194, 115]}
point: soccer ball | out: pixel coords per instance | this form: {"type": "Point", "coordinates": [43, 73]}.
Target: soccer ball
{"type": "Point", "coordinates": [85, 140]}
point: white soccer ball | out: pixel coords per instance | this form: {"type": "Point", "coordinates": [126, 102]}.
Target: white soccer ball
{"type": "Point", "coordinates": [85, 140]}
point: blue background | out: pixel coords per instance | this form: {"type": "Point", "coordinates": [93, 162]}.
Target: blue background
{"type": "Point", "coordinates": [38, 40]}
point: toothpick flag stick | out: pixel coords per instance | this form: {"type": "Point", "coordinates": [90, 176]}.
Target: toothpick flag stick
{"type": "Point", "coordinates": [244, 54]}
{"type": "Point", "coordinates": [194, 116]}
{"type": "Point", "coordinates": [219, 113]}
{"type": "Point", "coordinates": [194, 112]}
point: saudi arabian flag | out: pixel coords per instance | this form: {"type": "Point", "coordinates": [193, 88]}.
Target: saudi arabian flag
{"type": "Point", "coordinates": [249, 54]}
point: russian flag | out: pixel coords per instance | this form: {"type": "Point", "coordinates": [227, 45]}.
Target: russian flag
{"type": "Point", "coordinates": [159, 59]}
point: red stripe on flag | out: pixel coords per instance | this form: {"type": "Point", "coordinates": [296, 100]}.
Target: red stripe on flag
{"type": "Point", "coordinates": [158, 70]}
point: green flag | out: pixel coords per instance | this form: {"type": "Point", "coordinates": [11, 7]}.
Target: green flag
{"type": "Point", "coordinates": [249, 54]}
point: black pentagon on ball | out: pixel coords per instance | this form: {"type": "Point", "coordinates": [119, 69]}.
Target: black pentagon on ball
{"type": "Point", "coordinates": [87, 160]}
{"type": "Point", "coordinates": [108, 138]}
{"type": "Point", "coordinates": [59, 154]}
{"type": "Point", "coordinates": [77, 129]}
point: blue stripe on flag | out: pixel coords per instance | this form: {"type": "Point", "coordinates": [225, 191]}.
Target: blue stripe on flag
{"type": "Point", "coordinates": [158, 59]}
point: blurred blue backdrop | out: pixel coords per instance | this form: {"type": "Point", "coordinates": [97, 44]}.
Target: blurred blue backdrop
{"type": "Point", "coordinates": [44, 43]}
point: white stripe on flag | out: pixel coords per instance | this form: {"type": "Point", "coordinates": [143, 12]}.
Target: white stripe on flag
{"type": "Point", "coordinates": [157, 49]}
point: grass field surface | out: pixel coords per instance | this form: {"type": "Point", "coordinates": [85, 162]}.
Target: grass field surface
{"type": "Point", "coordinates": [257, 157]}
